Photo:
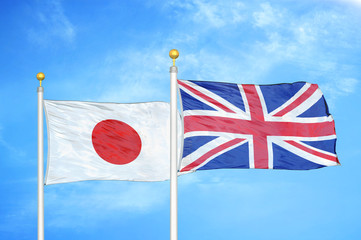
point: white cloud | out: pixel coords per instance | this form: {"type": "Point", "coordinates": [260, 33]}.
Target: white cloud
{"type": "Point", "coordinates": [13, 151]}
{"type": "Point", "coordinates": [52, 24]}
{"type": "Point", "coordinates": [336, 88]}
{"type": "Point", "coordinates": [135, 76]}
{"type": "Point", "coordinates": [353, 2]}
{"type": "Point", "coordinates": [311, 41]}
{"type": "Point", "coordinates": [268, 16]}
{"type": "Point", "coordinates": [88, 203]}
{"type": "Point", "coordinates": [216, 14]}
{"type": "Point", "coordinates": [210, 13]}
{"type": "Point", "coordinates": [209, 187]}
{"type": "Point", "coordinates": [282, 37]}
{"type": "Point", "coordinates": [348, 85]}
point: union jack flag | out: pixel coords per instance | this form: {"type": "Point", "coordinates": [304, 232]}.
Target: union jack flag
{"type": "Point", "coordinates": [280, 126]}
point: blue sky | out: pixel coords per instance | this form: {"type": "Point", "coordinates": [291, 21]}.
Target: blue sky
{"type": "Point", "coordinates": [118, 51]}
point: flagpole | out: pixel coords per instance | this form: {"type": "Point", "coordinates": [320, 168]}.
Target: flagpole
{"type": "Point", "coordinates": [40, 76]}
{"type": "Point", "coordinates": [173, 148]}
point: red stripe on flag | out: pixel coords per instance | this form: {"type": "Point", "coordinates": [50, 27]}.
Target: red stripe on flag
{"type": "Point", "coordinates": [257, 128]}
{"type": "Point", "coordinates": [211, 153]}
{"type": "Point", "coordinates": [313, 152]}
{"type": "Point", "coordinates": [205, 97]}
{"type": "Point", "coordinates": [260, 148]}
{"type": "Point", "coordinates": [254, 102]}
{"type": "Point", "coordinates": [308, 93]}
{"type": "Point", "coordinates": [260, 151]}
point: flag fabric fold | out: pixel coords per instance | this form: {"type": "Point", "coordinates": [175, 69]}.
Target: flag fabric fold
{"type": "Point", "coordinates": [280, 126]}
{"type": "Point", "coordinates": [107, 141]}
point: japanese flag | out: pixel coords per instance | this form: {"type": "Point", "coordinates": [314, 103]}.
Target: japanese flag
{"type": "Point", "coordinates": [107, 141]}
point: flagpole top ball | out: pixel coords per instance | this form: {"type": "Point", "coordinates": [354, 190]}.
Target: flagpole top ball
{"type": "Point", "coordinates": [40, 76]}
{"type": "Point", "coordinates": [173, 54]}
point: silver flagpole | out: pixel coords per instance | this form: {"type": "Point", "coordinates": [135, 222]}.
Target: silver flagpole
{"type": "Point", "coordinates": [173, 148]}
{"type": "Point", "coordinates": [40, 76]}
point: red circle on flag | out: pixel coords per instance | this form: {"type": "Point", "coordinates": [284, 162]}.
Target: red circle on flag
{"type": "Point", "coordinates": [116, 142]}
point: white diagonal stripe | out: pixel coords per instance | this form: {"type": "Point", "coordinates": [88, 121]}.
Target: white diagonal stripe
{"type": "Point", "coordinates": [316, 149]}
{"type": "Point", "coordinates": [245, 101]}
{"type": "Point", "coordinates": [292, 99]}
{"type": "Point", "coordinates": [204, 149]}
{"type": "Point", "coordinates": [261, 98]}
{"type": "Point", "coordinates": [211, 95]}
{"type": "Point", "coordinates": [305, 105]}
{"type": "Point", "coordinates": [220, 153]}
{"type": "Point", "coordinates": [310, 157]}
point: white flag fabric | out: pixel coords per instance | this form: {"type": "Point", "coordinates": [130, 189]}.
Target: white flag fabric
{"type": "Point", "coordinates": [107, 141]}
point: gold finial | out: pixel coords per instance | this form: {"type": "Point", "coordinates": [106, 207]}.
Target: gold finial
{"type": "Point", "coordinates": [173, 54]}
{"type": "Point", "coordinates": [40, 76]}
